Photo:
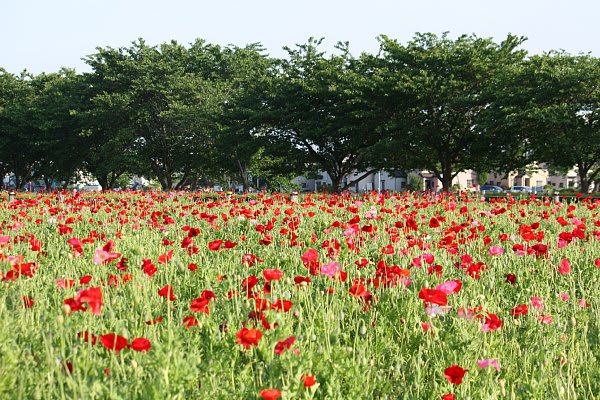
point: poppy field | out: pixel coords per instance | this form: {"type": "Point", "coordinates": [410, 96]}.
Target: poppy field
{"type": "Point", "coordinates": [406, 296]}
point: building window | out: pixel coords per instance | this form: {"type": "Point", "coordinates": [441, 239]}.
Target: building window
{"type": "Point", "coordinates": [469, 183]}
{"type": "Point", "coordinates": [561, 185]}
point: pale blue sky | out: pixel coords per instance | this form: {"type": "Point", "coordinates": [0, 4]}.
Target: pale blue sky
{"type": "Point", "coordinates": [43, 35]}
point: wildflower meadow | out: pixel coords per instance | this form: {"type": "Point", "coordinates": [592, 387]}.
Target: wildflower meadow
{"type": "Point", "coordinates": [386, 296]}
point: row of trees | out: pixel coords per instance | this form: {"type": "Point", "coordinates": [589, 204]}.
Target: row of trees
{"type": "Point", "coordinates": [186, 113]}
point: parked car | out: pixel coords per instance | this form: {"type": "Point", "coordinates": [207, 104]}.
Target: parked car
{"type": "Point", "coordinates": [521, 189]}
{"type": "Point", "coordinates": [491, 188]}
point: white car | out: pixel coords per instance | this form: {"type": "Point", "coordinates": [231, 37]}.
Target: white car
{"type": "Point", "coordinates": [521, 189]}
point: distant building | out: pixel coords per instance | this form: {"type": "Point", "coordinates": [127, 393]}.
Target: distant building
{"type": "Point", "coordinates": [534, 176]}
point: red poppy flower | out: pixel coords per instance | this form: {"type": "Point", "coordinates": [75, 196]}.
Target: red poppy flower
{"type": "Point", "coordinates": [519, 310]}
{"type": "Point", "coordinates": [189, 322]}
{"type": "Point", "coordinates": [448, 396]}
{"type": "Point", "coordinates": [272, 274]}
{"type": "Point", "coordinates": [25, 269]}
{"type": "Point", "coordinates": [565, 266]}
{"type": "Point", "coordinates": [358, 290]}
{"type": "Point", "coordinates": [308, 380]}
{"type": "Point", "coordinates": [229, 244]}
{"type": "Point", "coordinates": [92, 296]}
{"type": "Point", "coordinates": [200, 304]}
{"type": "Point", "coordinates": [310, 256]}
{"type": "Point", "coordinates": [167, 291]}
{"type": "Point", "coordinates": [248, 260]}
{"type": "Point", "coordinates": [455, 374]}
{"type": "Point", "coordinates": [148, 268]}
{"type": "Point", "coordinates": [282, 305]}
{"type": "Point", "coordinates": [539, 249]}
{"type": "Point", "coordinates": [186, 242]}
{"type": "Point", "coordinates": [433, 296]}
{"type": "Point", "coordinates": [113, 342]}
{"type": "Point", "coordinates": [165, 258]}
{"type": "Point", "coordinates": [248, 337]}
{"type": "Point", "coordinates": [215, 245]}
{"type": "Point", "coordinates": [140, 344]}
{"type": "Point", "coordinates": [261, 304]}
{"type": "Point", "coordinates": [122, 264]}
{"type": "Point", "coordinates": [389, 249]}
{"type": "Point", "coordinates": [88, 337]}
{"type": "Point", "coordinates": [155, 321]}
{"type": "Point", "coordinates": [193, 232]}
{"type": "Point", "coordinates": [249, 282]}
{"type": "Point", "coordinates": [491, 323]}
{"type": "Point", "coordinates": [511, 278]}
{"type": "Point", "coordinates": [270, 394]}
{"type": "Point", "coordinates": [74, 305]}
{"type": "Point", "coordinates": [284, 345]}
{"type": "Point", "coordinates": [300, 280]}
{"type": "Point", "coordinates": [28, 302]}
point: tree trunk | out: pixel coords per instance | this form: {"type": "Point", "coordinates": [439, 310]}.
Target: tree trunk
{"type": "Point", "coordinates": [244, 175]}
{"type": "Point", "coordinates": [103, 181]}
{"type": "Point", "coordinates": [360, 178]}
{"type": "Point", "coordinates": [194, 185]}
{"type": "Point", "coordinates": [165, 185]}
{"type": "Point", "coordinates": [48, 182]}
{"type": "Point", "coordinates": [336, 181]}
{"type": "Point", "coordinates": [446, 182]}
{"type": "Point", "coordinates": [181, 184]}
{"type": "Point", "coordinates": [445, 176]}
{"type": "Point", "coordinates": [113, 179]}
{"type": "Point", "coordinates": [584, 183]}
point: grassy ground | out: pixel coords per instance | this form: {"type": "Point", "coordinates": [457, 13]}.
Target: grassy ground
{"type": "Point", "coordinates": [363, 333]}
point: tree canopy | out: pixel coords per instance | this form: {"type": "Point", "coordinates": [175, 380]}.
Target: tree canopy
{"type": "Point", "coordinates": [202, 112]}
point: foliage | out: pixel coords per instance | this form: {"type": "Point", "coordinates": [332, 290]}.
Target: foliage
{"type": "Point", "coordinates": [441, 95]}
{"type": "Point", "coordinates": [195, 114]}
{"type": "Point", "coordinates": [564, 114]}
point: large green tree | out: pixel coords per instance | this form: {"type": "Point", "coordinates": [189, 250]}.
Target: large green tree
{"type": "Point", "coordinates": [60, 148]}
{"type": "Point", "coordinates": [168, 102]}
{"type": "Point", "coordinates": [564, 113]}
{"type": "Point", "coordinates": [315, 105]}
{"type": "Point", "coordinates": [19, 147]}
{"type": "Point", "coordinates": [440, 96]}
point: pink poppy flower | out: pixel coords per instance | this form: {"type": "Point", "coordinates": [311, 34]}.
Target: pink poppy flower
{"type": "Point", "coordinates": [488, 363]}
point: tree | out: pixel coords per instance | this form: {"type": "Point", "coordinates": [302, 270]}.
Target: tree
{"type": "Point", "coordinates": [440, 96]}
{"type": "Point", "coordinates": [315, 106]}
{"type": "Point", "coordinates": [20, 136]}
{"type": "Point", "coordinates": [168, 101]}
{"type": "Point", "coordinates": [60, 148]}
{"type": "Point", "coordinates": [564, 113]}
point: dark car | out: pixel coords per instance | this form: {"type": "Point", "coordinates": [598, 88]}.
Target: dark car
{"type": "Point", "coordinates": [490, 188]}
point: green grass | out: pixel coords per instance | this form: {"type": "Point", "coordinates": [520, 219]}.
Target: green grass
{"type": "Point", "coordinates": [354, 354]}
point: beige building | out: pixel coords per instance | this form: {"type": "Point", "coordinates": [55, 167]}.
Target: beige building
{"type": "Point", "coordinates": [534, 176]}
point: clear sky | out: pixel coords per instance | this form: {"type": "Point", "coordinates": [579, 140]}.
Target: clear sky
{"type": "Point", "coordinates": [43, 35]}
